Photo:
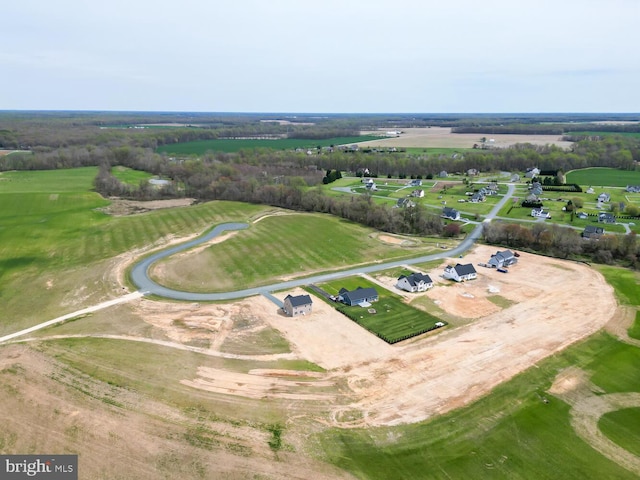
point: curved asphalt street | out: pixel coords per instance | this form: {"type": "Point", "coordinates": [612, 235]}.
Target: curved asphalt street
{"type": "Point", "coordinates": [140, 272]}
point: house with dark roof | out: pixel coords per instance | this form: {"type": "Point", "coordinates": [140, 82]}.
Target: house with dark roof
{"type": "Point", "coordinates": [502, 259]}
{"type": "Point", "coordinates": [359, 296]}
{"type": "Point", "coordinates": [604, 217]}
{"type": "Point", "coordinates": [477, 197]}
{"type": "Point", "coordinates": [298, 305]}
{"type": "Point", "coordinates": [592, 231]}
{"type": "Point", "coordinates": [416, 282]}
{"type": "Point", "coordinates": [633, 188]}
{"type": "Point", "coordinates": [405, 203]}
{"type": "Point", "coordinates": [415, 183]}
{"type": "Point", "coordinates": [535, 188]}
{"type": "Point", "coordinates": [460, 272]}
{"type": "Point", "coordinates": [450, 213]}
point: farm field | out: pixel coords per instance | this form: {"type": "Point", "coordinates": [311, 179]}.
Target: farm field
{"type": "Point", "coordinates": [54, 237]}
{"type": "Point", "coordinates": [601, 176]}
{"type": "Point", "coordinates": [259, 255]}
{"type": "Point", "coordinates": [392, 318]}
{"type": "Point", "coordinates": [238, 390]}
{"type": "Point", "coordinates": [607, 134]}
{"type": "Point", "coordinates": [441, 137]}
{"type": "Point", "coordinates": [200, 147]}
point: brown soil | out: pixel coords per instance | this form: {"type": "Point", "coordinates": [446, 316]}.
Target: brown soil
{"type": "Point", "coordinates": [122, 434]}
{"type": "Point", "coordinates": [119, 207]}
{"type": "Point", "coordinates": [441, 137]}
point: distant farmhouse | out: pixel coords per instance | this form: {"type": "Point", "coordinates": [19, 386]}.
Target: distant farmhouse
{"type": "Point", "coordinates": [415, 183]}
{"type": "Point", "coordinates": [604, 197]}
{"type": "Point", "coordinates": [503, 259]}
{"type": "Point", "coordinates": [298, 305]}
{"type": "Point", "coordinates": [460, 272]}
{"type": "Point", "coordinates": [633, 188]}
{"type": "Point", "coordinates": [419, 193]}
{"type": "Point", "coordinates": [359, 296]}
{"type": "Point", "coordinates": [450, 213]}
{"type": "Point", "coordinates": [416, 282]}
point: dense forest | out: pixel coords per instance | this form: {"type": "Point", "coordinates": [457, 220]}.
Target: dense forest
{"type": "Point", "coordinates": [290, 179]}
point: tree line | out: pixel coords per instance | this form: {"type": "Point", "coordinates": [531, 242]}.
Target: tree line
{"type": "Point", "coordinates": [565, 242]}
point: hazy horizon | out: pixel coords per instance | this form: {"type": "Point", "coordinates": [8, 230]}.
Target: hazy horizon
{"type": "Point", "coordinates": [321, 56]}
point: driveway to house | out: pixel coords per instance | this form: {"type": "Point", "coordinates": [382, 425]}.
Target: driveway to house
{"type": "Point", "coordinates": [140, 271]}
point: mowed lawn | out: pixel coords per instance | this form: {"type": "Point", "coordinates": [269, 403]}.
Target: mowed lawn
{"type": "Point", "coordinates": [611, 177]}
{"type": "Point", "coordinates": [279, 248]}
{"type": "Point", "coordinates": [200, 147]}
{"type": "Point", "coordinates": [393, 319]}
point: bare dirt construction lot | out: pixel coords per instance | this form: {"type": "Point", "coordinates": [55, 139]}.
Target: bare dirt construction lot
{"type": "Point", "coordinates": [514, 319]}
{"type": "Point", "coordinates": [441, 137]}
{"type": "Point", "coordinates": [417, 379]}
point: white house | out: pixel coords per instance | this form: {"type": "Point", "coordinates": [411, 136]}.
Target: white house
{"type": "Point", "coordinates": [540, 213]}
{"type": "Point", "coordinates": [502, 259]}
{"type": "Point", "coordinates": [298, 305]}
{"type": "Point", "coordinates": [416, 282]}
{"type": "Point", "coordinates": [604, 197]}
{"type": "Point", "coordinates": [460, 272]}
{"type": "Point", "coordinates": [418, 193]}
{"type": "Point", "coordinates": [532, 172]}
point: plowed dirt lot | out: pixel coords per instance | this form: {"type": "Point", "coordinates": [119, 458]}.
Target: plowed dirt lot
{"type": "Point", "coordinates": [441, 137]}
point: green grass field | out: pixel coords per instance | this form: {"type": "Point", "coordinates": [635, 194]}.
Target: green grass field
{"type": "Point", "coordinates": [393, 319]}
{"type": "Point", "coordinates": [601, 176]}
{"type": "Point", "coordinates": [623, 427]}
{"type": "Point", "coordinates": [200, 147]}
{"type": "Point", "coordinates": [634, 331]}
{"type": "Point", "coordinates": [607, 134]}
{"type": "Point", "coordinates": [54, 240]}
{"type": "Point", "coordinates": [264, 253]}
{"type": "Point", "coordinates": [130, 176]}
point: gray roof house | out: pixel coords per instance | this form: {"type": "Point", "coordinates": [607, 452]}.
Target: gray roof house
{"type": "Point", "coordinates": [298, 305]}
{"type": "Point", "coordinates": [450, 213]}
{"type": "Point", "coordinates": [415, 183]}
{"type": "Point", "coordinates": [536, 188]}
{"type": "Point", "coordinates": [606, 218]}
{"type": "Point", "coordinates": [405, 203]}
{"type": "Point", "coordinates": [592, 231]}
{"type": "Point", "coordinates": [633, 188]}
{"type": "Point", "coordinates": [460, 272]}
{"type": "Point", "coordinates": [416, 282]}
{"type": "Point", "coordinates": [604, 197]}
{"type": "Point", "coordinates": [502, 259]}
{"type": "Point", "coordinates": [359, 296]}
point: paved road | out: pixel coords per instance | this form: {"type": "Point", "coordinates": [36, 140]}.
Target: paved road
{"type": "Point", "coordinates": [140, 277]}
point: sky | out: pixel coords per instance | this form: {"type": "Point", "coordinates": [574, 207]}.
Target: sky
{"type": "Point", "coordinates": [325, 56]}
